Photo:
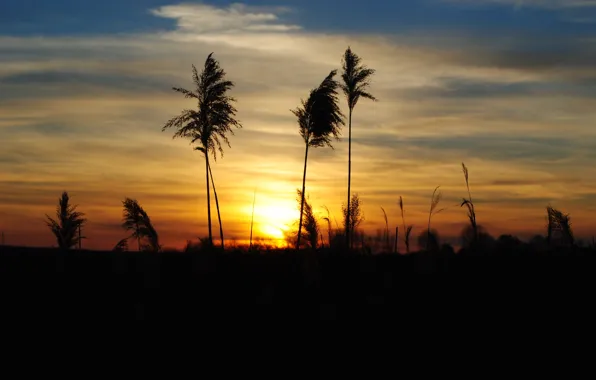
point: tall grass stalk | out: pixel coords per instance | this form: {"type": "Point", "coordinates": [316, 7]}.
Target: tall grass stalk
{"type": "Point", "coordinates": [470, 204]}
{"type": "Point", "coordinates": [408, 229]}
{"type": "Point", "coordinates": [436, 198]}
{"type": "Point", "coordinates": [221, 234]}
{"type": "Point", "coordinates": [355, 83]}
{"type": "Point", "coordinates": [252, 219]}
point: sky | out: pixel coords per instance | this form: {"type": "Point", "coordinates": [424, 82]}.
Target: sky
{"type": "Point", "coordinates": [506, 86]}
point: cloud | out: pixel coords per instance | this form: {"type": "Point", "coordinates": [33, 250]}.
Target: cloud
{"type": "Point", "coordinates": [236, 18]}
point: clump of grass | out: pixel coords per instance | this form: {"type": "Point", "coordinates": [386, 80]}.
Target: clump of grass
{"type": "Point", "coordinates": [135, 219]}
{"type": "Point", "coordinates": [560, 224]}
{"type": "Point", "coordinates": [469, 204]}
{"type": "Point", "coordinates": [408, 229]}
{"type": "Point", "coordinates": [67, 224]}
{"type": "Point", "coordinates": [122, 246]}
{"type": "Point", "coordinates": [355, 215]}
{"type": "Point", "coordinates": [310, 226]}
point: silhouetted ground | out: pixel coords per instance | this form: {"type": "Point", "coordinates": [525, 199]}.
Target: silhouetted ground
{"type": "Point", "coordinates": [83, 287]}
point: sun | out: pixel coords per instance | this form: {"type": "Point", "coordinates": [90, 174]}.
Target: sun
{"type": "Point", "coordinates": [276, 211]}
{"type": "Point", "coordinates": [274, 218]}
{"type": "Point", "coordinates": [273, 232]}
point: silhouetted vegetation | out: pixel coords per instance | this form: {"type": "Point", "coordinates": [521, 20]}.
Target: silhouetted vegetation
{"type": "Point", "coordinates": [559, 228]}
{"type": "Point", "coordinates": [353, 217]}
{"type": "Point", "coordinates": [330, 232]}
{"type": "Point", "coordinates": [476, 240]}
{"type": "Point", "coordinates": [355, 82]}
{"type": "Point", "coordinates": [136, 220]}
{"type": "Point", "coordinates": [429, 239]}
{"type": "Point", "coordinates": [387, 244]}
{"type": "Point", "coordinates": [221, 234]}
{"type": "Point", "coordinates": [80, 287]}
{"type": "Point", "coordinates": [407, 230]}
{"type": "Point", "coordinates": [310, 226]}
{"type": "Point", "coordinates": [469, 204]}
{"type": "Point", "coordinates": [68, 223]}
{"type": "Point", "coordinates": [319, 119]}
{"type": "Point", "coordinates": [121, 246]}
{"type": "Point", "coordinates": [252, 218]}
{"type": "Point", "coordinates": [434, 202]}
{"type": "Point", "coordinates": [214, 118]}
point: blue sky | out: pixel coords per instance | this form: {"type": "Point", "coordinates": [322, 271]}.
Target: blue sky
{"type": "Point", "coordinates": [65, 17]}
{"type": "Point", "coordinates": [507, 86]}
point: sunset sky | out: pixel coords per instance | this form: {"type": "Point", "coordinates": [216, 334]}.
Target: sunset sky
{"type": "Point", "coordinates": [506, 86]}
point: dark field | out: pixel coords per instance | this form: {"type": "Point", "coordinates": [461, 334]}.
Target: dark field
{"type": "Point", "coordinates": [78, 287]}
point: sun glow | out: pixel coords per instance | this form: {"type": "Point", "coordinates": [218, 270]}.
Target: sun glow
{"type": "Point", "coordinates": [273, 232]}
{"type": "Point", "coordinates": [274, 218]}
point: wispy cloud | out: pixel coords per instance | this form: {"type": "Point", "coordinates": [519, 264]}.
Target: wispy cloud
{"type": "Point", "coordinates": [236, 18]}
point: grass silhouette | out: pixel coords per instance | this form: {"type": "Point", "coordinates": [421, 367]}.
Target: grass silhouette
{"type": "Point", "coordinates": [121, 246]}
{"type": "Point", "coordinates": [559, 228]}
{"type": "Point", "coordinates": [434, 202]}
{"type": "Point", "coordinates": [353, 218]}
{"type": "Point", "coordinates": [408, 229]}
{"type": "Point", "coordinates": [469, 203]}
{"type": "Point", "coordinates": [355, 82]}
{"type": "Point", "coordinates": [386, 232]}
{"type": "Point", "coordinates": [221, 233]}
{"type": "Point", "coordinates": [319, 120]}
{"type": "Point", "coordinates": [136, 220]}
{"type": "Point", "coordinates": [311, 233]}
{"type": "Point", "coordinates": [213, 120]}
{"type": "Point", "coordinates": [68, 223]}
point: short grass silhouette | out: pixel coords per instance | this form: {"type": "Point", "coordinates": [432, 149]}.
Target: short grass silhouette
{"type": "Point", "coordinates": [353, 218]}
{"type": "Point", "coordinates": [137, 222]}
{"type": "Point", "coordinates": [310, 229]}
{"type": "Point", "coordinates": [68, 223]}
